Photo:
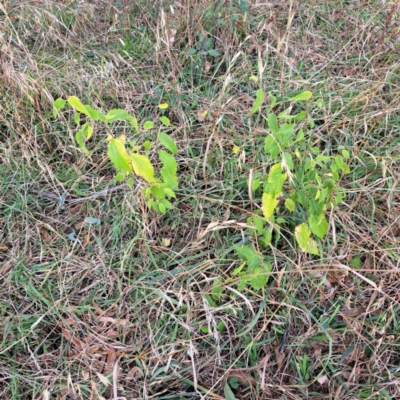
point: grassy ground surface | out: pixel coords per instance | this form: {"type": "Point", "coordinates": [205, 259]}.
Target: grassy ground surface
{"type": "Point", "coordinates": [127, 312]}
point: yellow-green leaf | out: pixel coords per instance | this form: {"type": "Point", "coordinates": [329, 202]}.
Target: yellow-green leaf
{"type": "Point", "coordinates": [302, 96]}
{"type": "Point", "coordinates": [290, 205]}
{"type": "Point", "coordinates": [258, 101]}
{"type": "Point", "coordinates": [165, 121]}
{"type": "Point", "coordinates": [143, 167]}
{"type": "Point", "coordinates": [269, 203]}
{"type": "Point", "coordinates": [76, 103]}
{"type": "Point", "coordinates": [302, 234]}
{"type": "Point", "coordinates": [148, 125]}
{"type": "Point", "coordinates": [163, 106]}
{"type": "Point", "coordinates": [118, 155]}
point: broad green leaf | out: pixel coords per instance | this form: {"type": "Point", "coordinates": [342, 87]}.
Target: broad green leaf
{"type": "Point", "coordinates": [341, 164]}
{"type": "Point", "coordinates": [288, 159]}
{"type": "Point", "coordinates": [290, 205]}
{"type": "Point", "coordinates": [302, 96]}
{"type": "Point", "coordinates": [276, 179]}
{"type": "Point", "coordinates": [121, 175]}
{"type": "Point", "coordinates": [162, 208]}
{"type": "Point", "coordinates": [300, 136]}
{"type": "Point", "coordinates": [148, 125]}
{"type": "Point", "coordinates": [163, 106]}
{"type": "Point", "coordinates": [133, 122]}
{"type": "Point", "coordinates": [267, 236]}
{"type": "Point", "coordinates": [273, 100]}
{"type": "Point", "coordinates": [213, 53]}
{"type": "Point", "coordinates": [167, 142]}
{"type": "Point", "coordinates": [57, 106]}
{"type": "Point", "coordinates": [157, 192]}
{"type": "Point", "coordinates": [169, 193]}
{"type": "Point", "coordinates": [345, 153]}
{"type": "Point", "coordinates": [302, 234]}
{"type": "Point", "coordinates": [245, 252]}
{"type": "Point", "coordinates": [77, 118]}
{"type": "Point", "coordinates": [261, 276]}
{"type": "Point", "coordinates": [167, 204]}
{"type": "Point", "coordinates": [254, 262]}
{"type": "Point", "coordinates": [76, 103]}
{"type": "Point", "coordinates": [258, 101]}
{"type": "Point", "coordinates": [271, 146]}
{"type": "Point", "coordinates": [318, 225]}
{"type": "Point", "coordinates": [84, 133]}
{"type": "Point", "coordinates": [165, 121]}
{"type": "Point", "coordinates": [143, 167]}
{"type": "Point", "coordinates": [168, 171]}
{"type": "Point", "coordinates": [147, 145]}
{"type": "Point", "coordinates": [117, 115]}
{"type": "Point", "coordinates": [269, 203]}
{"type": "Point", "coordinates": [118, 155]}
{"type": "Point", "coordinates": [81, 141]}
{"type": "Point", "coordinates": [300, 116]}
{"type": "Point", "coordinates": [273, 123]}
{"type": "Point", "coordinates": [286, 132]}
{"type": "Point", "coordinates": [255, 184]}
{"type": "Point", "coordinates": [95, 114]}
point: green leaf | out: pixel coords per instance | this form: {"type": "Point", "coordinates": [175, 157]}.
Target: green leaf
{"type": "Point", "coordinates": [165, 121]}
{"type": "Point", "coordinates": [341, 164]}
{"type": "Point", "coordinates": [276, 180]}
{"type": "Point", "coordinates": [273, 100]}
{"type": "Point", "coordinates": [345, 153]}
{"type": "Point", "coordinates": [302, 96]}
{"type": "Point", "coordinates": [163, 106]}
{"type": "Point", "coordinates": [261, 278]}
{"type": "Point", "coordinates": [118, 155]}
{"type": "Point", "coordinates": [77, 118]}
{"type": "Point", "coordinates": [286, 132]}
{"type": "Point", "coordinates": [255, 184]}
{"type": "Point", "coordinates": [290, 205]}
{"type": "Point", "coordinates": [169, 193]}
{"type": "Point", "coordinates": [143, 167]}
{"type": "Point", "coordinates": [162, 208]}
{"type": "Point", "coordinates": [116, 115]}
{"type": "Point", "coordinates": [95, 114]}
{"type": "Point", "coordinates": [84, 133]}
{"type": "Point", "coordinates": [273, 123]}
{"type": "Point", "coordinates": [168, 171]}
{"type": "Point", "coordinates": [133, 122]}
{"type": "Point", "coordinates": [271, 146]}
{"type": "Point", "coordinates": [228, 392]}
{"type": "Point", "coordinates": [258, 101]}
{"type": "Point", "coordinates": [120, 176]}
{"type": "Point", "coordinates": [213, 53]}
{"type": "Point", "coordinates": [167, 142]}
{"type": "Point", "coordinates": [157, 192]}
{"type": "Point", "coordinates": [148, 125]}
{"type": "Point", "coordinates": [302, 234]}
{"type": "Point", "coordinates": [318, 225]}
{"type": "Point", "coordinates": [76, 103]}
{"type": "Point", "coordinates": [269, 203]}
{"type": "Point", "coordinates": [57, 106]}
{"type": "Point", "coordinates": [167, 204]}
